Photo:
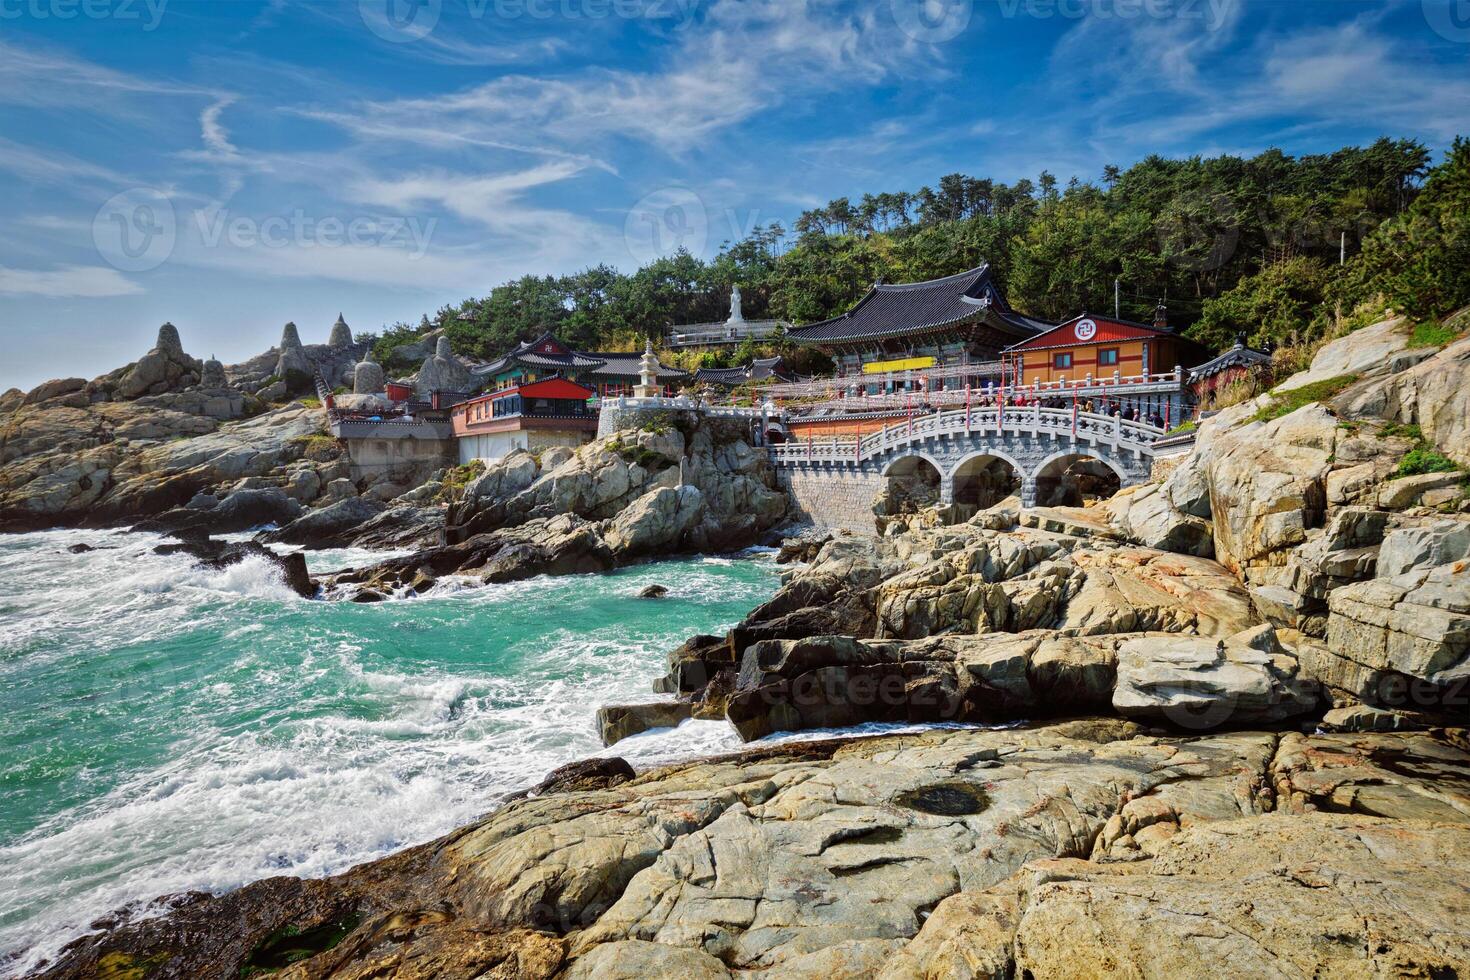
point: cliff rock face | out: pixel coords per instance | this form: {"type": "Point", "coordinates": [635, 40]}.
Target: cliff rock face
{"type": "Point", "coordinates": [737, 498]}
{"type": "Point", "coordinates": [124, 461]}
{"type": "Point", "coordinates": [632, 496]}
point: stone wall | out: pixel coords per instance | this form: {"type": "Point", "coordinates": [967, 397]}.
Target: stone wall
{"type": "Point", "coordinates": [407, 461]}
{"type": "Point", "coordinates": [612, 418]}
{"type": "Point", "coordinates": [833, 498]}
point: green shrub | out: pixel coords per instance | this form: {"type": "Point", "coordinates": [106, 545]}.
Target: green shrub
{"type": "Point", "coordinates": [1424, 459]}
{"type": "Point", "coordinates": [1182, 428]}
{"type": "Point", "coordinates": [1409, 431]}
{"type": "Point", "coordinates": [1286, 402]}
{"type": "Point", "coordinates": [1432, 333]}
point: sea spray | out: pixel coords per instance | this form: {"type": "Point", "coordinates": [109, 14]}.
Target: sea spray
{"type": "Point", "coordinates": [171, 727]}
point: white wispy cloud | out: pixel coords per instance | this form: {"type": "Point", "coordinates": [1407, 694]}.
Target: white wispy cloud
{"type": "Point", "coordinates": [47, 166]}
{"type": "Point", "coordinates": [216, 139]}
{"type": "Point", "coordinates": [42, 77]}
{"type": "Point", "coordinates": [67, 281]}
{"type": "Point", "coordinates": [741, 59]}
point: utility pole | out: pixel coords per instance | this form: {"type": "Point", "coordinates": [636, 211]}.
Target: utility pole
{"type": "Point", "coordinates": [1342, 249]}
{"type": "Point", "coordinates": [1117, 302]}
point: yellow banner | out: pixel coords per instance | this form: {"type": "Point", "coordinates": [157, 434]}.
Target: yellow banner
{"type": "Point", "coordinates": [907, 364]}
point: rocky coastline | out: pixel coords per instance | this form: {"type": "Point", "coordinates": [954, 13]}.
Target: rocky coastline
{"type": "Point", "coordinates": [1215, 724]}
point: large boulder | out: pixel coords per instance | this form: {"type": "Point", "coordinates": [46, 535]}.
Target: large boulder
{"type": "Point", "coordinates": [56, 388]}
{"type": "Point", "coordinates": [616, 722]}
{"type": "Point", "coordinates": [1404, 641]}
{"type": "Point", "coordinates": [1267, 485]}
{"type": "Point", "coordinates": [335, 525]}
{"type": "Point", "coordinates": [1433, 394]}
{"type": "Point", "coordinates": [239, 511]}
{"type": "Point", "coordinates": [1145, 515]}
{"type": "Point", "coordinates": [1202, 683]}
{"type": "Point", "coordinates": [655, 522]}
{"type": "Point", "coordinates": [1420, 547]}
{"type": "Point", "coordinates": [1370, 349]}
{"type": "Point", "coordinates": [164, 368]}
{"type": "Point", "coordinates": [212, 553]}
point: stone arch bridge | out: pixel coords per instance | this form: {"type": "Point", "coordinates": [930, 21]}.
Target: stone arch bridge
{"type": "Point", "coordinates": [835, 481]}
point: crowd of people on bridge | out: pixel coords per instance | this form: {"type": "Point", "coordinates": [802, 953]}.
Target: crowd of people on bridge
{"type": "Point", "coordinates": [1112, 408]}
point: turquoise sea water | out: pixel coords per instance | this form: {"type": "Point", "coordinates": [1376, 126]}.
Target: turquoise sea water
{"type": "Point", "coordinates": [169, 728]}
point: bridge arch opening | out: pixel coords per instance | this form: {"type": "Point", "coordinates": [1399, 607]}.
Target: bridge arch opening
{"type": "Point", "coordinates": [985, 480]}
{"type": "Point", "coordinates": [1075, 480]}
{"type": "Point", "coordinates": [910, 483]}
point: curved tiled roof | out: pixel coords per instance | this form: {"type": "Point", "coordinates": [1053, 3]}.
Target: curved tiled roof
{"type": "Point", "coordinates": [525, 353]}
{"type": "Point", "coordinates": [1237, 356]}
{"type": "Point", "coordinates": [894, 310]}
{"type": "Point", "coordinates": [729, 376]}
{"type": "Point", "coordinates": [628, 363]}
{"type": "Point", "coordinates": [759, 369]}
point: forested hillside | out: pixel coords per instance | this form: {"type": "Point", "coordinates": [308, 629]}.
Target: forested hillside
{"type": "Point", "coordinates": [1233, 245]}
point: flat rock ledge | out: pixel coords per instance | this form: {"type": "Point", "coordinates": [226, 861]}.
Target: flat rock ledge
{"type": "Point", "coordinates": [1077, 848]}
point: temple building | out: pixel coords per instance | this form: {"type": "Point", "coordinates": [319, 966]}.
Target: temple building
{"type": "Point", "coordinates": [1099, 347]}
{"type": "Point", "coordinates": [609, 375]}
{"type": "Point", "coordinates": [947, 323]}
{"type": "Point", "coordinates": [759, 369]}
{"type": "Point", "coordinates": [1238, 363]}
{"type": "Point", "coordinates": [534, 415]}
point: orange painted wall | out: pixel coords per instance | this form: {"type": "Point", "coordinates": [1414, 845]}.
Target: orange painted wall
{"type": "Point", "coordinates": [827, 428]}
{"type": "Point", "coordinates": [1038, 364]}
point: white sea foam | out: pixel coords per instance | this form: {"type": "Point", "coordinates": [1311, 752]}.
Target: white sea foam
{"type": "Point", "coordinates": [220, 730]}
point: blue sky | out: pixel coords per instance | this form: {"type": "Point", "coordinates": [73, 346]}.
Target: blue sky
{"type": "Point", "coordinates": [231, 164]}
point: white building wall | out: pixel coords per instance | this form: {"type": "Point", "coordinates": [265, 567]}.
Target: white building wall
{"type": "Point", "coordinates": [491, 447]}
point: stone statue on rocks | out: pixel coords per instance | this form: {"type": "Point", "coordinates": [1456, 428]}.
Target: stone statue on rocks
{"type": "Point", "coordinates": [441, 372]}
{"type": "Point", "coordinates": [367, 377]}
{"type": "Point", "coordinates": [293, 366]}
{"type": "Point", "coordinates": [289, 336]}
{"type": "Point", "coordinates": [213, 374]}
{"type": "Point", "coordinates": [164, 368]}
{"type": "Point", "coordinates": [341, 334]}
